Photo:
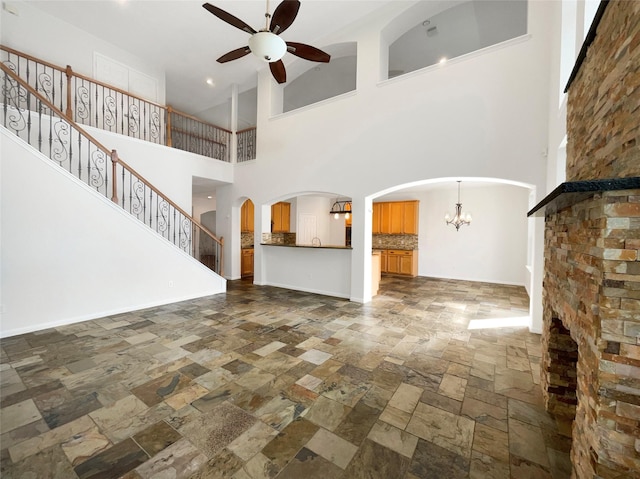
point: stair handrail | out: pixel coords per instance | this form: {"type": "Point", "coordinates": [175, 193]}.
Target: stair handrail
{"type": "Point", "coordinates": [115, 160]}
{"type": "Point", "coordinates": [69, 73]}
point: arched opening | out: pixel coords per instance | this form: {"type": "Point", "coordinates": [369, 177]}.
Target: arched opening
{"type": "Point", "coordinates": [321, 81]}
{"type": "Point", "coordinates": [495, 248]}
{"type": "Point", "coordinates": [427, 36]}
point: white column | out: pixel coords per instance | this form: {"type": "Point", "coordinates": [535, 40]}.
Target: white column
{"type": "Point", "coordinates": [361, 254]}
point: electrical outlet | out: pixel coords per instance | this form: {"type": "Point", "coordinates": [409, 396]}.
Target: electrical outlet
{"type": "Point", "coordinates": [171, 284]}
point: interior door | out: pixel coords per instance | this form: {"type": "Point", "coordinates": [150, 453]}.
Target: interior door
{"type": "Point", "coordinates": [307, 228]}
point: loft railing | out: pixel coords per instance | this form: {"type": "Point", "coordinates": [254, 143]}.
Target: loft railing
{"type": "Point", "coordinates": [190, 134]}
{"type": "Point", "coordinates": [35, 119]}
{"type": "Point", "coordinates": [97, 104]}
{"type": "Point", "coordinates": [246, 145]}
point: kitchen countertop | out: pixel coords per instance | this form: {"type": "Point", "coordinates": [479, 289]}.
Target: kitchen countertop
{"type": "Point", "coordinates": [307, 246]}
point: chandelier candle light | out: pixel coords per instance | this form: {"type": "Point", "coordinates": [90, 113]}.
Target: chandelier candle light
{"type": "Point", "coordinates": [460, 218]}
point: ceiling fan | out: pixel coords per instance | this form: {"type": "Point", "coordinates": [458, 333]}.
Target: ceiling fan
{"type": "Point", "coordinates": [266, 44]}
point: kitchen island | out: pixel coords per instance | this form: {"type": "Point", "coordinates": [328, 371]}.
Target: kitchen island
{"type": "Point", "coordinates": [314, 269]}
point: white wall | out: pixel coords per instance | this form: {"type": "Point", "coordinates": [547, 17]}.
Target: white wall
{"type": "Point", "coordinates": [482, 115]}
{"type": "Point", "coordinates": [48, 38]}
{"type": "Point", "coordinates": [492, 249]}
{"type": "Point", "coordinates": [69, 254]}
{"type": "Point", "coordinates": [203, 205]}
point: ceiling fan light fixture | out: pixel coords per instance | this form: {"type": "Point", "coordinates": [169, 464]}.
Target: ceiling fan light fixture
{"type": "Point", "coordinates": [267, 46]}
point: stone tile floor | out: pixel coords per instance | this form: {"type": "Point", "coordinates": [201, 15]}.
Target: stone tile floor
{"type": "Point", "coordinates": [263, 382]}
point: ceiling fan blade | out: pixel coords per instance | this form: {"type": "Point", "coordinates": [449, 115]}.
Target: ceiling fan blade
{"type": "Point", "coordinates": [230, 19]}
{"type": "Point", "coordinates": [278, 71]}
{"type": "Point", "coordinates": [308, 52]}
{"type": "Point", "coordinates": [234, 55]}
{"type": "Point", "coordinates": [283, 16]}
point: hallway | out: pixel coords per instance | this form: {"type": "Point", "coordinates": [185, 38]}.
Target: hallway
{"type": "Point", "coordinates": [263, 382]}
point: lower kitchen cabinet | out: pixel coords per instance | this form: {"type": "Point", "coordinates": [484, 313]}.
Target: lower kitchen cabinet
{"type": "Point", "coordinates": [403, 262]}
{"type": "Point", "coordinates": [246, 265]}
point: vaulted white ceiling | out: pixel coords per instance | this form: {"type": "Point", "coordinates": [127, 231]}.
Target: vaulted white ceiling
{"type": "Point", "coordinates": [184, 40]}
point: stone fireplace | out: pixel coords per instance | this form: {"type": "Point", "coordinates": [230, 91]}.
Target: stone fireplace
{"type": "Point", "coordinates": [591, 291]}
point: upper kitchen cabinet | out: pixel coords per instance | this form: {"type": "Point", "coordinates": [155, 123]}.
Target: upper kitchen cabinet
{"type": "Point", "coordinates": [246, 217]}
{"type": "Point", "coordinates": [395, 217]}
{"type": "Point", "coordinates": [410, 217]}
{"type": "Point", "coordinates": [280, 217]}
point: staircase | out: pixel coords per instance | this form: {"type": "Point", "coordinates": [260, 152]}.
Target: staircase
{"type": "Point", "coordinates": [36, 120]}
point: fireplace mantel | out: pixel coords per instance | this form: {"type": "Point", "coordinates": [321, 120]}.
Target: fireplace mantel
{"type": "Point", "coordinates": [573, 192]}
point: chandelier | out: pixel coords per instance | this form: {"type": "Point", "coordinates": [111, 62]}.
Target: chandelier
{"type": "Point", "coordinates": [341, 208]}
{"type": "Point", "coordinates": [459, 218]}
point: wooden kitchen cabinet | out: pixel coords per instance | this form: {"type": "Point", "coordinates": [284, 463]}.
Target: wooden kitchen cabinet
{"type": "Point", "coordinates": [376, 221]}
{"type": "Point", "coordinates": [280, 217]}
{"type": "Point", "coordinates": [410, 217]}
{"type": "Point", "coordinates": [384, 260]}
{"type": "Point", "coordinates": [246, 217]}
{"type": "Point", "coordinates": [246, 265]}
{"type": "Point", "coordinates": [396, 261]}
{"type": "Point", "coordinates": [393, 262]}
{"type": "Point", "coordinates": [395, 217]}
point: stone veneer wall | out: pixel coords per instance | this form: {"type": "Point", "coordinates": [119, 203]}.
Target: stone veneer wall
{"type": "Point", "coordinates": [592, 258]}
{"type": "Point", "coordinates": [604, 100]}
{"type": "Point", "coordinates": [592, 284]}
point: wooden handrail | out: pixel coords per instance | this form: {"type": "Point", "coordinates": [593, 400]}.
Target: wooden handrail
{"type": "Point", "coordinates": [29, 57]}
{"type": "Point", "coordinates": [200, 137]}
{"type": "Point", "coordinates": [108, 153]}
{"type": "Point", "coordinates": [69, 71]}
{"type": "Point", "coordinates": [116, 89]}
{"type": "Point", "coordinates": [245, 130]}
{"type": "Point", "coordinates": [191, 117]}
{"type": "Point", "coordinates": [51, 106]}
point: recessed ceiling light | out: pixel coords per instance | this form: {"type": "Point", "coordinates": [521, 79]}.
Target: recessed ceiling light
{"type": "Point", "coordinates": [210, 82]}
{"type": "Point", "coordinates": [443, 60]}
{"type": "Point", "coordinates": [209, 197]}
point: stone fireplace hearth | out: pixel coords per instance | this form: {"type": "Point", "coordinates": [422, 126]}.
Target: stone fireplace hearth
{"type": "Point", "coordinates": [591, 291]}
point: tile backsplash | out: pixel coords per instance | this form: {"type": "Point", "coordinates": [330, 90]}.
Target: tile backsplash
{"type": "Point", "coordinates": [246, 240]}
{"type": "Point", "coordinates": [279, 238]}
{"type": "Point", "coordinates": [386, 241]}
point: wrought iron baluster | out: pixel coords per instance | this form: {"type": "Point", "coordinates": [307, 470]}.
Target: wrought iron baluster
{"type": "Point", "coordinates": [174, 229]}
{"type": "Point", "coordinates": [5, 99]}
{"type": "Point", "coordinates": [71, 151]}
{"type": "Point", "coordinates": [151, 209]}
{"type": "Point", "coordinates": [123, 189]}
{"type": "Point", "coordinates": [88, 161]}
{"type": "Point", "coordinates": [144, 125]}
{"type": "Point", "coordinates": [97, 125]}
{"type": "Point", "coordinates": [130, 193]}
{"type": "Point", "coordinates": [107, 160]}
{"type": "Point", "coordinates": [40, 126]}
{"type": "Point", "coordinates": [123, 115]}
{"type": "Point", "coordinates": [79, 156]}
